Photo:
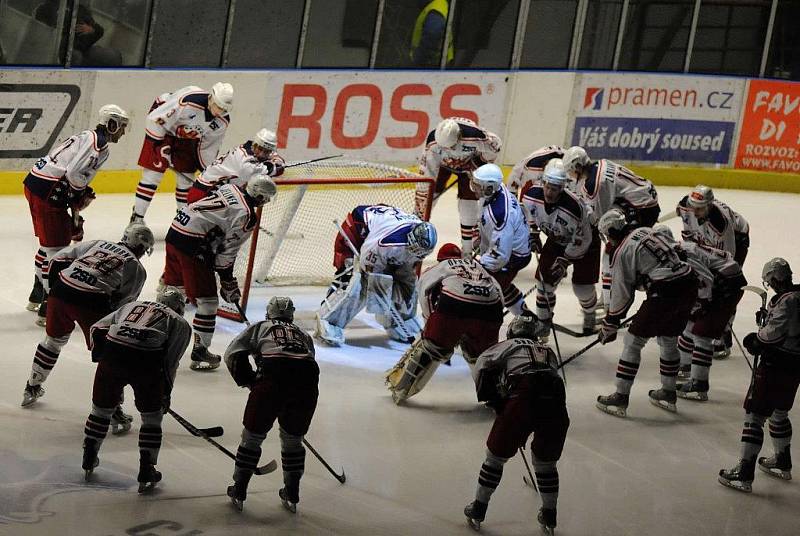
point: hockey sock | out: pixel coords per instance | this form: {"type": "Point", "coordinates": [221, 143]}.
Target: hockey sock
{"type": "Point", "coordinates": [512, 299]}
{"type": "Point", "coordinates": [780, 430]}
{"type": "Point", "coordinates": [587, 297]}
{"type": "Point", "coordinates": [702, 356]}
{"type": "Point", "coordinates": [468, 212]}
{"type": "Point", "coordinates": [686, 345]}
{"type": "Point", "coordinates": [183, 184]}
{"type": "Point", "coordinates": [205, 320]}
{"type": "Point", "coordinates": [146, 190]}
{"type": "Point", "coordinates": [547, 480]}
{"type": "Point", "coordinates": [545, 300]}
{"type": "Point", "coordinates": [490, 476]}
{"type": "Point", "coordinates": [752, 436]}
{"type": "Point", "coordinates": [605, 276]}
{"type": "Point", "coordinates": [247, 455]}
{"type": "Point", "coordinates": [293, 460]}
{"type": "Point", "coordinates": [629, 361]}
{"type": "Point", "coordinates": [97, 424]}
{"type": "Point", "coordinates": [45, 358]}
{"type": "Point", "coordinates": [49, 253]}
{"type": "Point", "coordinates": [38, 262]}
{"type": "Point", "coordinates": [670, 360]}
{"type": "Point", "coordinates": [150, 434]}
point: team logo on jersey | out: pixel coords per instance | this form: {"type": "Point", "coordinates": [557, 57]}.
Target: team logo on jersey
{"type": "Point", "coordinates": [593, 98]}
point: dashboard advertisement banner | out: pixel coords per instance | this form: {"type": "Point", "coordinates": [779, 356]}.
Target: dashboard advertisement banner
{"type": "Point", "coordinates": [770, 132]}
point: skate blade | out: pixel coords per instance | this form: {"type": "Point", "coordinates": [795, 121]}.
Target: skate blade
{"type": "Point", "coordinates": [237, 503]}
{"type": "Point", "coordinates": [202, 366]}
{"type": "Point", "coordinates": [27, 402]}
{"type": "Point", "coordinates": [33, 306]}
{"type": "Point", "coordinates": [612, 410]}
{"type": "Point", "coordinates": [474, 524]}
{"type": "Point", "coordinates": [776, 473]}
{"type": "Point", "coordinates": [744, 487]}
{"type": "Point", "coordinates": [291, 507]}
{"type": "Point", "coordinates": [666, 406]}
{"type": "Point", "coordinates": [146, 487]}
{"type": "Point", "coordinates": [725, 354]}
{"type": "Point", "coordinates": [547, 531]}
{"type": "Point", "coordinates": [693, 395]}
{"type": "Point", "coordinates": [87, 475]}
{"type": "Point", "coordinates": [119, 429]}
{"type": "Point", "coordinates": [41, 321]}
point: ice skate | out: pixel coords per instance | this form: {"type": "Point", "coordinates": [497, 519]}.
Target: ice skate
{"type": "Point", "coordinates": [476, 513]}
{"type": "Point", "coordinates": [693, 390]}
{"type": "Point", "coordinates": [684, 372]}
{"type": "Point", "coordinates": [41, 313]}
{"type": "Point", "coordinates": [328, 333]}
{"type": "Point", "coordinates": [614, 404]}
{"type": "Point", "coordinates": [721, 351]}
{"type": "Point", "coordinates": [237, 494]}
{"type": "Point", "coordinates": [739, 478]}
{"type": "Point", "coordinates": [120, 422]}
{"type": "Point", "coordinates": [287, 501]}
{"type": "Point", "coordinates": [135, 218]}
{"type": "Point", "coordinates": [31, 394]}
{"type": "Point", "coordinates": [547, 520]}
{"type": "Point", "coordinates": [148, 476]}
{"type": "Point", "coordinates": [36, 296]}
{"type": "Point", "coordinates": [204, 360]}
{"type": "Point", "coordinates": [664, 399]}
{"type": "Point", "coordinates": [779, 465]}
{"type": "Point", "coordinates": [90, 460]}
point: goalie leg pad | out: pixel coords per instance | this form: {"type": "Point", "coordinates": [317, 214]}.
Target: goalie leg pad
{"type": "Point", "coordinates": [338, 309]}
{"type": "Point", "coordinates": [415, 369]}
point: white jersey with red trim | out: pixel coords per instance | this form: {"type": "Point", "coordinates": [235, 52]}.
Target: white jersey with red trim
{"type": "Point", "coordinates": [270, 339]}
{"type": "Point", "coordinates": [567, 221]}
{"type": "Point", "coordinates": [528, 171]}
{"type": "Point", "coordinates": [719, 229]}
{"type": "Point", "coordinates": [236, 166]}
{"type": "Point", "coordinates": [476, 146]}
{"type": "Point", "coordinates": [216, 226]}
{"type": "Point", "coordinates": [782, 327]}
{"type": "Point", "coordinates": [386, 245]}
{"type": "Point", "coordinates": [643, 257]}
{"type": "Point", "coordinates": [609, 184]}
{"type": "Point", "coordinates": [184, 114]}
{"type": "Point", "coordinates": [462, 280]}
{"type": "Point", "coordinates": [76, 159]}
{"type": "Point", "coordinates": [503, 230]}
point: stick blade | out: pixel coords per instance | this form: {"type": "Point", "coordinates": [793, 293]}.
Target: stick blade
{"type": "Point", "coordinates": [214, 431]}
{"type": "Point", "coordinates": [341, 478]}
{"type": "Point", "coordinates": [266, 469]}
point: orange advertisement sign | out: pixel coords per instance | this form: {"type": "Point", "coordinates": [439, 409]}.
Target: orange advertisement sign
{"type": "Point", "coordinates": [770, 132]}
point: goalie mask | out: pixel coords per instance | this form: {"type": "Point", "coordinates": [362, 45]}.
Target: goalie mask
{"type": "Point", "coordinates": [264, 144]}
{"type": "Point", "coordinates": [139, 239]}
{"type": "Point", "coordinates": [486, 180]}
{"type": "Point", "coordinates": [114, 119]}
{"type": "Point", "coordinates": [422, 240]}
{"type": "Point", "coordinates": [777, 274]}
{"type": "Point", "coordinates": [575, 159]}
{"type": "Point", "coordinates": [280, 308]}
{"type": "Point", "coordinates": [173, 298]}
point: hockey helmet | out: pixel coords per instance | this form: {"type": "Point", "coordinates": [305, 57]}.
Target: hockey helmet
{"type": "Point", "coordinates": [222, 95]}
{"type": "Point", "coordinates": [448, 251]}
{"type": "Point", "coordinates": [486, 180]}
{"type": "Point", "coordinates": [172, 297]}
{"type": "Point", "coordinates": [575, 159]}
{"type": "Point", "coordinates": [114, 118]}
{"type": "Point", "coordinates": [612, 224]}
{"type": "Point", "coordinates": [261, 188]}
{"type": "Point", "coordinates": [664, 231]}
{"type": "Point", "coordinates": [554, 173]}
{"type": "Point", "coordinates": [522, 327]}
{"type": "Point", "coordinates": [422, 239]}
{"type": "Point", "coordinates": [701, 196]}
{"type": "Point", "coordinates": [776, 273]}
{"type": "Point", "coordinates": [139, 239]}
{"type": "Point", "coordinates": [280, 308]}
{"type": "Point", "coordinates": [266, 139]}
{"type": "Point", "coordinates": [447, 133]}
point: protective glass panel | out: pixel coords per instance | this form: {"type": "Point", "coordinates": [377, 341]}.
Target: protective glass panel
{"type": "Point", "coordinates": [33, 33]}
{"type": "Point", "coordinates": [110, 33]}
{"type": "Point", "coordinates": [339, 33]}
{"type": "Point", "coordinates": [600, 34]}
{"type": "Point", "coordinates": [656, 35]}
{"type": "Point", "coordinates": [483, 34]}
{"type": "Point", "coordinates": [265, 33]}
{"type": "Point", "coordinates": [784, 51]}
{"type": "Point", "coordinates": [411, 34]}
{"type": "Point", "coordinates": [187, 33]}
{"type": "Point", "coordinates": [548, 34]}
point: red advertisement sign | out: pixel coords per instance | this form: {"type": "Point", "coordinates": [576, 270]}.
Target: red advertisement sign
{"type": "Point", "coordinates": [770, 132]}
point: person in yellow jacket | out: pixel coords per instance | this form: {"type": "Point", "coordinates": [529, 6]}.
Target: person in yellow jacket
{"type": "Point", "coordinates": [428, 35]}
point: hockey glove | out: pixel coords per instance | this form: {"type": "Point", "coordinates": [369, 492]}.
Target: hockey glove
{"type": "Point", "coordinates": [761, 316]}
{"type": "Point", "coordinates": [229, 290]}
{"type": "Point", "coordinates": [559, 268]}
{"type": "Point", "coordinates": [79, 200]}
{"type": "Point", "coordinates": [77, 229]}
{"type": "Point", "coordinates": [608, 331]}
{"type": "Point", "coordinates": [166, 402]}
{"type": "Point", "coordinates": [753, 344]}
{"type": "Point", "coordinates": [700, 310]}
{"type": "Point", "coordinates": [535, 241]}
{"type": "Point", "coordinates": [277, 169]}
{"type": "Point", "coordinates": [241, 370]}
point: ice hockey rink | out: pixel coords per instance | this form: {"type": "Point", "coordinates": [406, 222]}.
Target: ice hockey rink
{"type": "Point", "coordinates": [410, 469]}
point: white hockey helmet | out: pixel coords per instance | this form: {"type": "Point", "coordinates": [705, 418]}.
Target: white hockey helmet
{"type": "Point", "coordinates": [701, 196]}
{"type": "Point", "coordinates": [612, 224]}
{"type": "Point", "coordinates": [139, 239]}
{"type": "Point", "coordinates": [486, 180]}
{"type": "Point", "coordinates": [422, 239]}
{"type": "Point", "coordinates": [261, 188]}
{"type": "Point", "coordinates": [222, 95]}
{"type": "Point", "coordinates": [266, 139]}
{"type": "Point", "coordinates": [172, 297]}
{"type": "Point", "coordinates": [665, 231]}
{"type": "Point", "coordinates": [776, 273]}
{"type": "Point", "coordinates": [280, 308]}
{"type": "Point", "coordinates": [113, 117]}
{"type": "Point", "coordinates": [554, 173]}
{"type": "Point", "coordinates": [575, 158]}
{"type": "Point", "coordinates": [447, 133]}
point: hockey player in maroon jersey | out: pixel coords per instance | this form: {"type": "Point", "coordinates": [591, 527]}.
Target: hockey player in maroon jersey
{"type": "Point", "coordinates": [461, 305]}
{"type": "Point", "coordinates": [518, 377]}
{"type": "Point", "coordinates": [87, 281]}
{"type": "Point", "coordinates": [458, 146]}
{"type": "Point", "coordinates": [642, 258]}
{"type": "Point", "coordinates": [202, 241]}
{"type": "Point", "coordinates": [183, 131]}
{"type": "Point", "coordinates": [140, 344]}
{"type": "Point", "coordinates": [59, 184]}
{"type": "Point", "coordinates": [528, 171]}
{"type": "Point", "coordinates": [775, 380]}
{"type": "Point", "coordinates": [284, 386]}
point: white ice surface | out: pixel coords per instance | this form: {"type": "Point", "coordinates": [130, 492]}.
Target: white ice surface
{"type": "Point", "coordinates": [411, 469]}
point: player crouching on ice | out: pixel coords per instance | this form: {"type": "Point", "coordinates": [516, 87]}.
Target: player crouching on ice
{"type": "Point", "coordinates": [643, 258]}
{"type": "Point", "coordinates": [519, 378]}
{"type": "Point", "coordinates": [460, 304]}
{"type": "Point", "coordinates": [284, 386]}
{"type": "Point", "coordinates": [140, 344]}
{"type": "Point", "coordinates": [383, 272]}
{"type": "Point", "coordinates": [776, 377]}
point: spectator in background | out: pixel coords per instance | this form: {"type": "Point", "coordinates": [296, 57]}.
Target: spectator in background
{"type": "Point", "coordinates": [428, 34]}
{"type": "Point", "coordinates": [88, 32]}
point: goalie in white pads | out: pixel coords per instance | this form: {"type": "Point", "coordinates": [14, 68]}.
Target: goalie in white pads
{"type": "Point", "coordinates": [518, 377]}
{"type": "Point", "coordinates": [642, 258]}
{"type": "Point", "coordinates": [528, 171]}
{"type": "Point", "coordinates": [461, 305]}
{"type": "Point", "coordinates": [776, 377]}
{"type": "Point", "coordinates": [383, 276]}
{"type": "Point", "coordinates": [571, 240]}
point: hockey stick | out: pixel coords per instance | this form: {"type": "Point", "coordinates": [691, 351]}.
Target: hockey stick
{"type": "Point", "coordinates": [591, 344]}
{"type": "Point", "coordinates": [263, 470]}
{"type": "Point", "coordinates": [524, 296]}
{"type": "Point", "coordinates": [341, 478]}
{"type": "Point", "coordinates": [532, 482]}
{"type": "Point", "coordinates": [313, 160]}
{"type": "Point", "coordinates": [668, 216]}
{"type": "Point", "coordinates": [741, 348]}
{"type": "Point", "coordinates": [552, 325]}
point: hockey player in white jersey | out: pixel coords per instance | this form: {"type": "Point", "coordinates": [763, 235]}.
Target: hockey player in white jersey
{"type": "Point", "coordinates": [203, 242]}
{"type": "Point", "coordinates": [87, 281]}
{"type": "Point", "coordinates": [775, 381]}
{"type": "Point", "coordinates": [571, 240]}
{"type": "Point", "coordinates": [183, 131]}
{"type": "Point", "coordinates": [458, 146]}
{"type": "Point", "coordinates": [59, 184]}
{"type": "Point", "coordinates": [518, 377]}
{"type": "Point", "coordinates": [254, 157]}
{"type": "Point", "coordinates": [383, 276]}
{"type": "Point", "coordinates": [645, 259]}
{"type": "Point", "coordinates": [502, 233]}
{"type": "Point", "coordinates": [140, 344]}
{"type": "Point", "coordinates": [528, 171]}
{"type": "Point", "coordinates": [461, 305]}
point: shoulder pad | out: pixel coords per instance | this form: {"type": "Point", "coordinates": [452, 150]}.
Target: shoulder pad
{"type": "Point", "coordinates": [431, 138]}
{"type": "Point", "coordinates": [248, 147]}
{"type": "Point", "coordinates": [535, 192]}
{"type": "Point", "coordinates": [716, 218]}
{"type": "Point", "coordinates": [570, 203]}
{"type": "Point", "coordinates": [592, 182]}
{"type": "Point", "coordinates": [398, 237]}
{"type": "Point", "coordinates": [101, 139]}
{"type": "Point", "coordinates": [199, 98]}
{"type": "Point", "coordinates": [471, 131]}
{"type": "Point", "coordinates": [497, 208]}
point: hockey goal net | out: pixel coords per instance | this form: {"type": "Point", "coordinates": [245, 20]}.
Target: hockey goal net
{"type": "Point", "coordinates": [293, 242]}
